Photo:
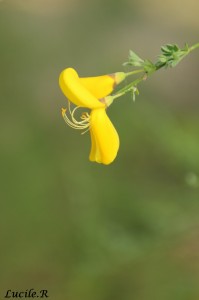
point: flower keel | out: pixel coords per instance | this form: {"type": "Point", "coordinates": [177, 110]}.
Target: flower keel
{"type": "Point", "coordinates": [104, 138]}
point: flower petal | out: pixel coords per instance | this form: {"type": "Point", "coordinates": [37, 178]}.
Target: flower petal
{"type": "Point", "coordinates": [76, 92]}
{"type": "Point", "coordinates": [104, 137]}
{"type": "Point", "coordinates": [94, 154]}
{"type": "Point", "coordinates": [102, 86]}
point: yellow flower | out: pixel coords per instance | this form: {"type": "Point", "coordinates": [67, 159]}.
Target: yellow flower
{"type": "Point", "coordinates": [91, 92]}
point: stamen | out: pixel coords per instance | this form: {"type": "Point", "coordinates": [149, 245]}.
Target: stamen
{"type": "Point", "coordinates": [73, 123]}
{"type": "Point", "coordinates": [85, 130]}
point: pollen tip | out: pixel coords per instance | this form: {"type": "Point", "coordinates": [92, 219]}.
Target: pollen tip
{"type": "Point", "coordinates": [63, 111]}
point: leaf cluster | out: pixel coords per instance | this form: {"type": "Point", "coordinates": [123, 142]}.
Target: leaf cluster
{"type": "Point", "coordinates": [171, 55]}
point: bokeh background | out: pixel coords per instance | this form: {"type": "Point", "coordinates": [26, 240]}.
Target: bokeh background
{"type": "Point", "coordinates": [82, 230]}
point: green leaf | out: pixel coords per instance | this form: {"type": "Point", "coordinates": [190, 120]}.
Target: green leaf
{"type": "Point", "coordinates": [171, 55]}
{"type": "Point", "coordinates": [134, 60]}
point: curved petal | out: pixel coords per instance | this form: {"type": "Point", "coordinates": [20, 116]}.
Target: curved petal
{"type": "Point", "coordinates": [76, 92]}
{"type": "Point", "coordinates": [104, 137]}
{"type": "Point", "coordinates": [94, 153]}
{"type": "Point", "coordinates": [102, 86]}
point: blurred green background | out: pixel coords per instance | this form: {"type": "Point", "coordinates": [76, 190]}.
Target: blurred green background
{"type": "Point", "coordinates": [79, 229]}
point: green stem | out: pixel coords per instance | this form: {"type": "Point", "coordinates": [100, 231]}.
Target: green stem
{"type": "Point", "coordinates": [195, 46]}
{"type": "Point", "coordinates": [158, 66]}
{"type": "Point", "coordinates": [134, 72]}
{"type": "Point", "coordinates": [130, 86]}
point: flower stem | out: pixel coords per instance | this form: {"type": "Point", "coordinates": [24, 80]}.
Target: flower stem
{"type": "Point", "coordinates": [132, 87]}
{"type": "Point", "coordinates": [195, 46]}
{"type": "Point", "coordinates": [134, 72]}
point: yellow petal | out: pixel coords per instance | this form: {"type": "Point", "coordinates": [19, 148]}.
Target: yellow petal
{"type": "Point", "coordinates": [94, 154]}
{"type": "Point", "coordinates": [104, 137]}
{"type": "Point", "coordinates": [76, 92]}
{"type": "Point", "coordinates": [102, 86]}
